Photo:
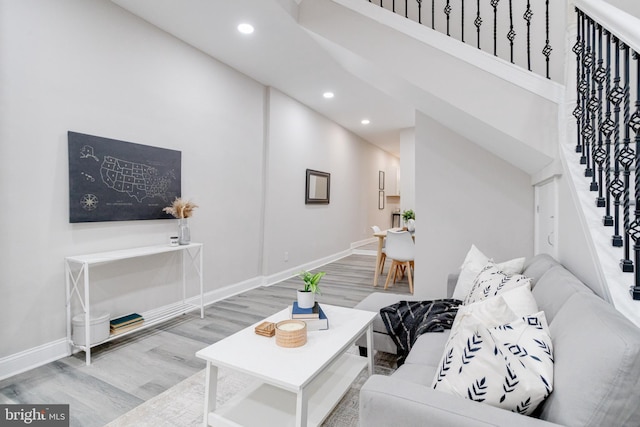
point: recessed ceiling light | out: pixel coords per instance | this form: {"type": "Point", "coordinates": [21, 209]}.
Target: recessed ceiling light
{"type": "Point", "coordinates": [365, 121]}
{"type": "Point", "coordinates": [245, 28]}
{"type": "Point", "coordinates": [328, 95]}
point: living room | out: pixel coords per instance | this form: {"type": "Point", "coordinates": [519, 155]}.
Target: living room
{"type": "Point", "coordinates": [95, 68]}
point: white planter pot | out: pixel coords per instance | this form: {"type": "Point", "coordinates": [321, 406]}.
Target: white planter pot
{"type": "Point", "coordinates": [306, 299]}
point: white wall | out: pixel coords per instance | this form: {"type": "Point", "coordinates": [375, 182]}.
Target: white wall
{"type": "Point", "coordinates": [408, 169]}
{"type": "Point", "coordinates": [465, 195]}
{"type": "Point", "coordinates": [91, 67]}
{"type": "Point", "coordinates": [300, 139]}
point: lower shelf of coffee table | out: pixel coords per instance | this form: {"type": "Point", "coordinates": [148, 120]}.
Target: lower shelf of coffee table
{"type": "Point", "coordinates": [267, 405]}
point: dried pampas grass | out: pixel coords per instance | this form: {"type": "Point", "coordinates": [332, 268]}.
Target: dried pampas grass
{"type": "Point", "coordinates": [180, 208]}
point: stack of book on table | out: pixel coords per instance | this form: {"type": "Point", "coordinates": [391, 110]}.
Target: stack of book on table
{"type": "Point", "coordinates": [125, 323]}
{"type": "Point", "coordinates": [314, 317]}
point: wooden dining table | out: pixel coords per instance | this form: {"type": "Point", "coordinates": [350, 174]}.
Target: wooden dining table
{"type": "Point", "coordinates": [381, 235]}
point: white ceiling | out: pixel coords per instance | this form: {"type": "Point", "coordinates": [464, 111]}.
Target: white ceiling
{"type": "Point", "coordinates": [281, 54]}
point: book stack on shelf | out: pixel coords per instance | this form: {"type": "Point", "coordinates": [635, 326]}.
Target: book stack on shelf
{"type": "Point", "coordinates": [125, 323]}
{"type": "Point", "coordinates": [314, 317]}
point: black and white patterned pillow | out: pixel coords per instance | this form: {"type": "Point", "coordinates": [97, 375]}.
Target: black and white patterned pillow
{"type": "Point", "coordinates": [491, 281]}
{"type": "Point", "coordinates": [508, 366]}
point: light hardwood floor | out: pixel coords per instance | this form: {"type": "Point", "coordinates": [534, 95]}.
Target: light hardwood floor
{"type": "Point", "coordinates": [128, 371]}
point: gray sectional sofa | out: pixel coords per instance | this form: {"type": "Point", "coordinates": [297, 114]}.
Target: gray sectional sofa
{"type": "Point", "coordinates": [596, 370]}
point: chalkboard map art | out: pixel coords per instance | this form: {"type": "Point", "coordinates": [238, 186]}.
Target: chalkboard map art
{"type": "Point", "coordinates": [111, 180]}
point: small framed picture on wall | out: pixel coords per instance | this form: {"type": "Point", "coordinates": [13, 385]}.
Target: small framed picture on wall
{"type": "Point", "coordinates": [380, 180]}
{"type": "Point", "coordinates": [380, 200]}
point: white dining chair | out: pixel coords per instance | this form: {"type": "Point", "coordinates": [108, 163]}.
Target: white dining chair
{"type": "Point", "coordinates": [383, 255]}
{"type": "Point", "coordinates": [401, 249]}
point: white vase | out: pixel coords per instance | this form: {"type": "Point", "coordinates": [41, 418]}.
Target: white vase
{"type": "Point", "coordinates": [306, 299]}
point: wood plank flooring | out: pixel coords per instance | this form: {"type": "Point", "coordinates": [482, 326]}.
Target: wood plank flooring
{"type": "Point", "coordinates": [128, 371]}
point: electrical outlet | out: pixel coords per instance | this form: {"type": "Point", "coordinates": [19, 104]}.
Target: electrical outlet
{"type": "Point", "coordinates": [286, 256]}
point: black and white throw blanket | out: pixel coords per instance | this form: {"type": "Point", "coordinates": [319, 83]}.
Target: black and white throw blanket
{"type": "Point", "coordinates": [407, 320]}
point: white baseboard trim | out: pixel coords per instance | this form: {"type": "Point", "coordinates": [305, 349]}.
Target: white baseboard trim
{"type": "Point", "coordinates": [356, 245]}
{"type": "Point", "coordinates": [41, 355]}
{"type": "Point", "coordinates": [286, 274]}
{"type": "Point", "coordinates": [33, 357]}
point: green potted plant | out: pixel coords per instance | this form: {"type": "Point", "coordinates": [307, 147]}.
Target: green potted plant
{"type": "Point", "coordinates": [407, 215]}
{"type": "Point", "coordinates": [306, 296]}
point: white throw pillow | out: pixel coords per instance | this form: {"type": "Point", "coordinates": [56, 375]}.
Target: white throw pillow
{"type": "Point", "coordinates": [492, 281]}
{"type": "Point", "coordinates": [489, 313]}
{"type": "Point", "coordinates": [473, 263]}
{"type": "Point", "coordinates": [521, 301]}
{"type": "Point", "coordinates": [508, 366]}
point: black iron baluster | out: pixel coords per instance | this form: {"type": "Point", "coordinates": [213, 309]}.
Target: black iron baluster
{"type": "Point", "coordinates": [393, 6]}
{"type": "Point", "coordinates": [591, 102]}
{"type": "Point", "coordinates": [478, 22]}
{"type": "Point", "coordinates": [626, 159]}
{"type": "Point", "coordinates": [587, 130]}
{"type": "Point", "coordinates": [528, 14]}
{"type": "Point", "coordinates": [607, 128]}
{"type": "Point", "coordinates": [494, 3]}
{"type": "Point", "coordinates": [406, 8]}
{"type": "Point", "coordinates": [381, 3]}
{"type": "Point", "coordinates": [447, 11]}
{"type": "Point", "coordinates": [578, 112]}
{"type": "Point", "coordinates": [433, 14]}
{"type": "Point", "coordinates": [617, 186]}
{"type": "Point", "coordinates": [546, 51]}
{"type": "Point", "coordinates": [600, 154]}
{"type": "Point", "coordinates": [511, 35]}
{"type": "Point", "coordinates": [419, 11]}
{"type": "Point", "coordinates": [462, 19]}
{"type": "Point", "coordinates": [584, 88]}
{"type": "Point", "coordinates": [594, 107]}
{"type": "Point", "coordinates": [634, 229]}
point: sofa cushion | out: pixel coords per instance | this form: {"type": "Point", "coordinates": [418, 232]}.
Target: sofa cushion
{"type": "Point", "coordinates": [509, 366]}
{"type": "Point", "coordinates": [493, 281]}
{"type": "Point", "coordinates": [427, 350]}
{"type": "Point", "coordinates": [473, 263]}
{"type": "Point", "coordinates": [554, 288]}
{"type": "Point", "coordinates": [536, 266]}
{"type": "Point", "coordinates": [597, 366]}
{"type": "Point", "coordinates": [416, 373]}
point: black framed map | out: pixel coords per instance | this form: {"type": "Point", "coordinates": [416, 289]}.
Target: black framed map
{"type": "Point", "coordinates": [111, 180]}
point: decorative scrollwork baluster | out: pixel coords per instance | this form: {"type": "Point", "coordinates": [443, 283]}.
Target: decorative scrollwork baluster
{"type": "Point", "coordinates": [546, 51]}
{"type": "Point", "coordinates": [599, 155]}
{"type": "Point", "coordinates": [617, 186]}
{"type": "Point", "coordinates": [591, 101]}
{"type": "Point", "coordinates": [578, 111]}
{"type": "Point", "coordinates": [607, 129]}
{"type": "Point", "coordinates": [627, 157]}
{"type": "Point", "coordinates": [634, 228]}
{"type": "Point", "coordinates": [511, 35]}
{"type": "Point", "coordinates": [478, 23]}
{"type": "Point", "coordinates": [528, 15]}
{"type": "Point", "coordinates": [447, 12]}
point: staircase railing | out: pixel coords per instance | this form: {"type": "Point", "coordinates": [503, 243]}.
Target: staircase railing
{"type": "Point", "coordinates": [607, 85]}
{"type": "Point", "coordinates": [490, 25]}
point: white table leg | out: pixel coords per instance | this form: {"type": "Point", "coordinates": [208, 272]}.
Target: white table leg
{"type": "Point", "coordinates": [210, 391]}
{"type": "Point", "coordinates": [370, 348]}
{"type": "Point", "coordinates": [301, 409]}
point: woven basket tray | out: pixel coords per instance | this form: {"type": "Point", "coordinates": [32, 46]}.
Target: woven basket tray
{"type": "Point", "coordinates": [291, 333]}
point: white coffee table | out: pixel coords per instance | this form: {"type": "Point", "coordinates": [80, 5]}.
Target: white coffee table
{"type": "Point", "coordinates": [294, 386]}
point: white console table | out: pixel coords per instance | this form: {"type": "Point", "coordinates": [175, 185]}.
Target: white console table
{"type": "Point", "coordinates": [191, 254]}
